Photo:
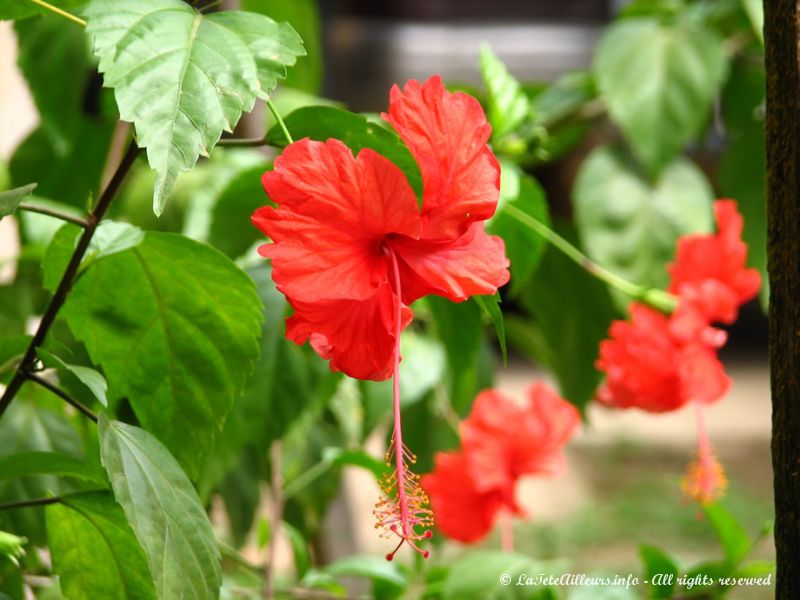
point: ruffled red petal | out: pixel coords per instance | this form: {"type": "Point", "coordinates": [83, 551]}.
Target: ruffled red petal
{"type": "Point", "coordinates": [462, 512]}
{"type": "Point", "coordinates": [447, 135]}
{"type": "Point", "coordinates": [710, 271]}
{"type": "Point", "coordinates": [357, 336]}
{"type": "Point", "coordinates": [505, 439]}
{"type": "Point", "coordinates": [334, 212]}
{"type": "Point", "coordinates": [474, 263]}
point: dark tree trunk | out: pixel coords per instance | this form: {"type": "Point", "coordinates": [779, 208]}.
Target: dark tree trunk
{"type": "Point", "coordinates": [783, 245]}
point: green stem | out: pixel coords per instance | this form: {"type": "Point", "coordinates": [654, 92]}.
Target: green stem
{"type": "Point", "coordinates": [278, 118]}
{"type": "Point", "coordinates": [58, 11]}
{"type": "Point", "coordinates": [308, 477]}
{"type": "Point", "coordinates": [79, 406]}
{"type": "Point", "coordinates": [656, 298]}
{"type": "Point", "coordinates": [52, 212]}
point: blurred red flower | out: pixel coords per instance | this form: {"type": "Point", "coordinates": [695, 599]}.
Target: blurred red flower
{"type": "Point", "coordinates": [506, 439]}
{"type": "Point", "coordinates": [341, 222]}
{"type": "Point", "coordinates": [647, 367]}
{"type": "Point", "coordinates": [502, 441]}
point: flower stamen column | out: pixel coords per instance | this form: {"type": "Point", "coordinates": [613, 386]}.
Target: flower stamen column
{"type": "Point", "coordinates": [405, 505]}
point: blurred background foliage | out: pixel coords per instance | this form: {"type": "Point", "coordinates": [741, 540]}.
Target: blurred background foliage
{"type": "Point", "coordinates": [657, 108]}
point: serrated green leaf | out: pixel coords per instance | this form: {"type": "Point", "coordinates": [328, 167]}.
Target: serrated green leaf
{"type": "Point", "coordinates": [19, 9]}
{"type": "Point", "coordinates": [524, 247]}
{"type": "Point", "coordinates": [164, 512]}
{"type": "Point", "coordinates": [355, 131]}
{"type": "Point", "coordinates": [90, 378]}
{"type": "Point", "coordinates": [732, 536]}
{"type": "Point", "coordinates": [10, 199]}
{"type": "Point", "coordinates": [629, 225]}
{"type": "Point", "coordinates": [25, 464]}
{"type": "Point", "coordinates": [182, 78]}
{"type": "Point", "coordinates": [175, 326]}
{"type": "Point", "coordinates": [658, 81]}
{"type": "Point", "coordinates": [111, 237]}
{"type": "Point", "coordinates": [94, 550]}
{"type": "Point", "coordinates": [507, 105]}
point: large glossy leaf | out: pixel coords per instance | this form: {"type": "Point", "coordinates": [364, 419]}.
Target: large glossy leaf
{"type": "Point", "coordinates": [94, 550]}
{"type": "Point", "coordinates": [524, 247]}
{"type": "Point", "coordinates": [732, 536]}
{"type": "Point", "coordinates": [572, 311]}
{"type": "Point", "coordinates": [658, 81]}
{"type": "Point", "coordinates": [660, 571]}
{"type": "Point", "coordinates": [93, 381]}
{"type": "Point", "coordinates": [182, 78]}
{"type": "Point", "coordinates": [164, 511]}
{"type": "Point", "coordinates": [630, 225]}
{"type": "Point", "coordinates": [175, 326]}
{"type": "Point", "coordinates": [507, 105]}
{"type": "Point", "coordinates": [356, 131]}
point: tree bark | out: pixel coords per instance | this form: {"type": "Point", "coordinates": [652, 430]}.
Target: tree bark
{"type": "Point", "coordinates": [781, 18]}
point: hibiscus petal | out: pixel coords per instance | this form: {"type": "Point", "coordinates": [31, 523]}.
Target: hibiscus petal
{"type": "Point", "coordinates": [462, 512]}
{"type": "Point", "coordinates": [702, 374]}
{"type": "Point", "coordinates": [473, 263]}
{"type": "Point", "coordinates": [447, 135]}
{"type": "Point", "coordinates": [356, 336]}
{"type": "Point", "coordinates": [333, 213]}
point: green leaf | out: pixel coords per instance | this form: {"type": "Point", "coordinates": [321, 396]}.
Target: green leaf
{"type": "Point", "coordinates": [490, 305]}
{"type": "Point", "coordinates": [46, 46]}
{"type": "Point", "coordinates": [658, 566]}
{"type": "Point", "coordinates": [324, 122]}
{"type": "Point", "coordinates": [57, 255]}
{"type": "Point", "coordinates": [507, 105]}
{"type": "Point", "coordinates": [9, 200]}
{"type": "Point", "coordinates": [94, 551]}
{"type": "Point", "coordinates": [12, 348]}
{"type": "Point", "coordinates": [11, 546]}
{"type": "Point", "coordinates": [734, 539]}
{"type": "Point", "coordinates": [572, 312]}
{"type": "Point", "coordinates": [524, 247]}
{"type": "Point", "coordinates": [231, 230]}
{"type": "Point", "coordinates": [17, 9]}
{"type": "Point", "coordinates": [25, 464]}
{"type": "Point", "coordinates": [164, 511]}
{"type": "Point", "coordinates": [478, 575]}
{"type": "Point", "coordinates": [756, 568]}
{"type": "Point", "coordinates": [182, 78]}
{"type": "Point", "coordinates": [175, 326]}
{"type": "Point", "coordinates": [458, 326]}
{"type": "Point", "coordinates": [374, 568]}
{"type": "Point", "coordinates": [629, 225]}
{"type": "Point", "coordinates": [564, 97]}
{"type": "Point", "coordinates": [303, 16]}
{"type": "Point", "coordinates": [302, 558]}
{"type": "Point", "coordinates": [658, 81]}
{"type": "Point", "coordinates": [755, 12]}
{"type": "Point", "coordinates": [90, 378]}
{"type": "Point", "coordinates": [111, 237]}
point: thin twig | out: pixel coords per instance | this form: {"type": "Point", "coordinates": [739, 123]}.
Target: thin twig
{"type": "Point", "coordinates": [243, 142]}
{"type": "Point", "coordinates": [59, 297]}
{"type": "Point", "coordinates": [277, 515]}
{"type": "Point", "coordinates": [53, 212]}
{"type": "Point", "coordinates": [58, 11]}
{"type": "Point", "coordinates": [28, 503]}
{"type": "Point", "coordinates": [77, 404]}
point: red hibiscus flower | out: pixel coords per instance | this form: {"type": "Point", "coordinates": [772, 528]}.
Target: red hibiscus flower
{"type": "Point", "coordinates": [502, 440]}
{"type": "Point", "coordinates": [351, 250]}
{"type": "Point", "coordinates": [710, 274]}
{"type": "Point", "coordinates": [647, 367]}
{"type": "Point", "coordinates": [341, 221]}
{"type": "Point", "coordinates": [464, 510]}
{"type": "Point", "coordinates": [506, 439]}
